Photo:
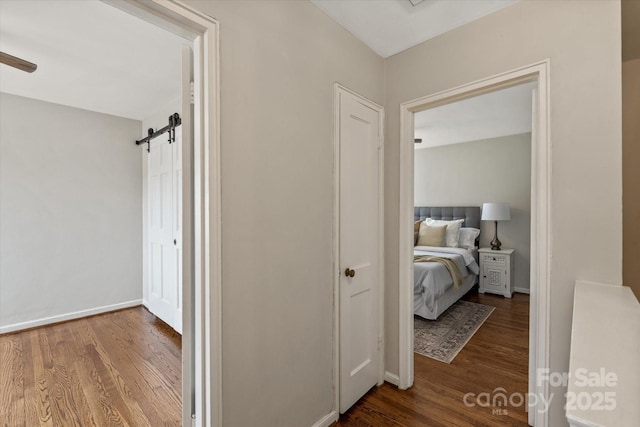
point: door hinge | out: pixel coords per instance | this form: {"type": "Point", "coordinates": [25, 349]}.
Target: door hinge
{"type": "Point", "coordinates": [193, 420]}
{"type": "Point", "coordinates": [191, 93]}
{"type": "Point", "coordinates": [379, 343]}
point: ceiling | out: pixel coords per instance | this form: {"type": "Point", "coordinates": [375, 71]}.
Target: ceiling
{"type": "Point", "coordinates": [391, 26]}
{"type": "Point", "coordinates": [90, 55]}
{"type": "Point", "coordinates": [492, 115]}
{"type": "Point", "coordinates": [127, 67]}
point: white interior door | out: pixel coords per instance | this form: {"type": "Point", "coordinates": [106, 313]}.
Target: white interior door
{"type": "Point", "coordinates": [359, 246]}
{"type": "Point", "coordinates": [533, 309]}
{"type": "Point", "coordinates": [163, 261]}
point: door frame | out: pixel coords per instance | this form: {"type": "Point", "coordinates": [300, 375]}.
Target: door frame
{"type": "Point", "coordinates": [338, 90]}
{"type": "Point", "coordinates": [201, 227]}
{"type": "Point", "coordinates": [540, 220]}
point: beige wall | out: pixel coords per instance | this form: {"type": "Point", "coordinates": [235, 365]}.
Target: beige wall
{"type": "Point", "coordinates": [279, 60]}
{"type": "Point", "coordinates": [586, 187]}
{"type": "Point", "coordinates": [70, 211]}
{"type": "Point", "coordinates": [489, 170]}
{"type": "Point", "coordinates": [631, 173]}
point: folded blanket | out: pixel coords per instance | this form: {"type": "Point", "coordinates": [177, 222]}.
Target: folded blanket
{"type": "Point", "coordinates": [450, 264]}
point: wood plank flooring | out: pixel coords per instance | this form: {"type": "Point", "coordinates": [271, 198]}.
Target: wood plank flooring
{"type": "Point", "coordinates": [116, 369]}
{"type": "Point", "coordinates": [124, 369]}
{"type": "Point", "coordinates": [496, 356]}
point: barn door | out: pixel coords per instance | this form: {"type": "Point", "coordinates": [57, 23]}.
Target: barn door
{"type": "Point", "coordinates": [164, 219]}
{"type": "Point", "coordinates": [163, 287]}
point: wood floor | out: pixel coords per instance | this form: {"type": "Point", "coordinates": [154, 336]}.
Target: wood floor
{"type": "Point", "coordinates": [496, 356]}
{"type": "Point", "coordinates": [115, 369]}
{"type": "Point", "coordinates": [124, 368]}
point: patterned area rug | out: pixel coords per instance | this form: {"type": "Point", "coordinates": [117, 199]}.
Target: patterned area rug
{"type": "Point", "coordinates": [443, 339]}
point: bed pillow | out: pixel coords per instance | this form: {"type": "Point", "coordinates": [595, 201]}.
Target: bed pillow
{"type": "Point", "coordinates": [468, 236]}
{"type": "Point", "coordinates": [431, 235]}
{"type": "Point", "coordinates": [453, 230]}
{"type": "Point", "coordinates": [416, 231]}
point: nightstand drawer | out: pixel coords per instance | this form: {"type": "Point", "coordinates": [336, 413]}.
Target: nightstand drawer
{"type": "Point", "coordinates": [494, 260]}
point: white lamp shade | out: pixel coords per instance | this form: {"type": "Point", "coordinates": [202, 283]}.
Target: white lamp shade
{"type": "Point", "coordinates": [496, 212]}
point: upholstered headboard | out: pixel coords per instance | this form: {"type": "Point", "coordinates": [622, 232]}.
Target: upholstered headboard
{"type": "Point", "coordinates": [470, 214]}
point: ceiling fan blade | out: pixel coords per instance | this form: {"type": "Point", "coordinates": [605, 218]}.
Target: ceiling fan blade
{"type": "Point", "coordinates": [18, 63]}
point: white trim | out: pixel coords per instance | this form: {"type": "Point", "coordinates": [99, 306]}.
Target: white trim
{"type": "Point", "coordinates": [540, 219]}
{"type": "Point", "coordinates": [392, 378]}
{"type": "Point", "coordinates": [69, 316]}
{"type": "Point", "coordinates": [337, 90]}
{"type": "Point", "coordinates": [381, 254]}
{"type": "Point", "coordinates": [327, 420]}
{"type": "Point", "coordinates": [203, 32]}
{"type": "Point", "coordinates": [187, 227]}
{"type": "Point", "coordinates": [405, 269]}
{"type": "Point", "coordinates": [533, 326]}
{"type": "Point", "coordinates": [522, 290]}
{"type": "Point", "coordinates": [336, 249]}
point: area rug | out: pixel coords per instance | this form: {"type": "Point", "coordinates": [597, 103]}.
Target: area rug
{"type": "Point", "coordinates": [443, 339]}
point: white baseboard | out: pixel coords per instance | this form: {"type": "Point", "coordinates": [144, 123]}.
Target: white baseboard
{"type": "Point", "coordinates": [68, 316]}
{"type": "Point", "coordinates": [522, 290]}
{"type": "Point", "coordinates": [392, 378]}
{"type": "Point", "coordinates": [327, 420]}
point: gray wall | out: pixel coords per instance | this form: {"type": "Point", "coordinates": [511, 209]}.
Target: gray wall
{"type": "Point", "coordinates": [279, 60]}
{"type": "Point", "coordinates": [70, 193]}
{"type": "Point", "coordinates": [582, 41]}
{"type": "Point", "coordinates": [471, 173]}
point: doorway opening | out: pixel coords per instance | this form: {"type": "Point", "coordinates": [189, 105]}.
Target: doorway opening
{"type": "Point", "coordinates": [473, 152]}
{"type": "Point", "coordinates": [540, 200]}
{"type": "Point", "coordinates": [199, 224]}
{"type": "Point", "coordinates": [201, 209]}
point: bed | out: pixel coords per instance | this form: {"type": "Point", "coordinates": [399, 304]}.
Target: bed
{"type": "Point", "coordinates": [434, 290]}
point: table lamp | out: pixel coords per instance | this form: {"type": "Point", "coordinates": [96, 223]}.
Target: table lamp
{"type": "Point", "coordinates": [496, 212]}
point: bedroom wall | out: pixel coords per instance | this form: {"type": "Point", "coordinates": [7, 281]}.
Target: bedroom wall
{"type": "Point", "coordinates": [279, 61]}
{"type": "Point", "coordinates": [586, 182]}
{"type": "Point", "coordinates": [631, 173]}
{"type": "Point", "coordinates": [497, 169]}
{"type": "Point", "coordinates": [70, 230]}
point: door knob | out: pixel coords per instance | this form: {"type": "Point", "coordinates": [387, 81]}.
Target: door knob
{"type": "Point", "coordinates": [349, 272]}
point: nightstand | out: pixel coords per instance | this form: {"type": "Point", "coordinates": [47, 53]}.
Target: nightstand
{"type": "Point", "coordinates": [496, 271]}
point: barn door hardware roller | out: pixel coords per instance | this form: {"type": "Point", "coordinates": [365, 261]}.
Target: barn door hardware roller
{"type": "Point", "coordinates": [174, 122]}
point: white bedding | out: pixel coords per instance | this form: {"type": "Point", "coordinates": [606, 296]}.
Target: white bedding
{"type": "Point", "coordinates": [432, 279]}
{"type": "Point", "coordinates": [467, 255]}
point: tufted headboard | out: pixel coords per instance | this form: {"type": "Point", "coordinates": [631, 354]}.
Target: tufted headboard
{"type": "Point", "coordinates": [470, 214]}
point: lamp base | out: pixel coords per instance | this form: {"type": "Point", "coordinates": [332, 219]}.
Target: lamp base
{"type": "Point", "coordinates": [496, 243]}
